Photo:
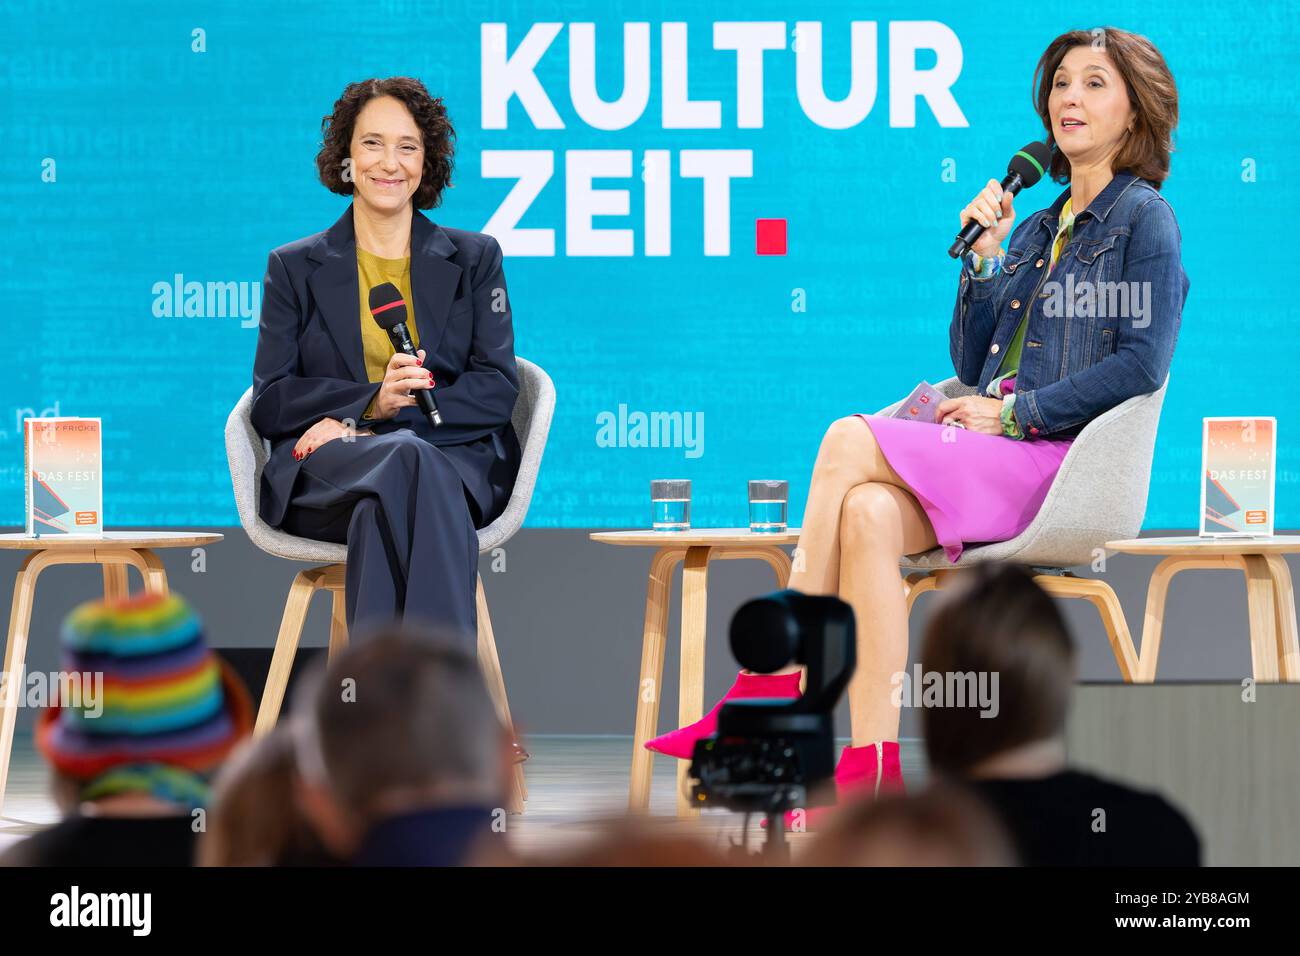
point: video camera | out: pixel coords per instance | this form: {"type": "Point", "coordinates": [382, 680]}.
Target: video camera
{"type": "Point", "coordinates": [768, 756]}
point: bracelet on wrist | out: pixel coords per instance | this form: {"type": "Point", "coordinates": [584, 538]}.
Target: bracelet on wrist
{"type": "Point", "coordinates": [1010, 427]}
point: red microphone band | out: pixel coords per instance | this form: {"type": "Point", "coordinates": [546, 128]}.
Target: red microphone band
{"type": "Point", "coordinates": [390, 305]}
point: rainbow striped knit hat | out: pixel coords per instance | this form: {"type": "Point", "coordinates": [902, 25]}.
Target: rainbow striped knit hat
{"type": "Point", "coordinates": [168, 712]}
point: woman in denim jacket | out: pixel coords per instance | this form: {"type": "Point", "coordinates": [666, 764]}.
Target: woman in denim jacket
{"type": "Point", "coordinates": [1078, 312]}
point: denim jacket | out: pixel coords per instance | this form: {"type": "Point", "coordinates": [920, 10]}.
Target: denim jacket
{"type": "Point", "coordinates": [1100, 331]}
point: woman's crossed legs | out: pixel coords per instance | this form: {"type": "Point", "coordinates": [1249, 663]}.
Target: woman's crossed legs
{"type": "Point", "coordinates": [860, 520]}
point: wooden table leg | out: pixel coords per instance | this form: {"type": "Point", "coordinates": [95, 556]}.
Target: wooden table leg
{"type": "Point", "coordinates": [690, 703]}
{"type": "Point", "coordinates": [650, 681]}
{"type": "Point", "coordinates": [694, 620]}
{"type": "Point", "coordinates": [11, 688]}
{"type": "Point", "coordinates": [1153, 620]}
{"type": "Point", "coordinates": [1288, 646]}
{"type": "Point", "coordinates": [1262, 607]}
{"type": "Point", "coordinates": [150, 566]}
{"type": "Point", "coordinates": [1157, 595]}
{"type": "Point", "coordinates": [781, 566]}
{"type": "Point", "coordinates": [115, 582]}
{"type": "Point", "coordinates": [152, 570]}
{"type": "Point", "coordinates": [776, 559]}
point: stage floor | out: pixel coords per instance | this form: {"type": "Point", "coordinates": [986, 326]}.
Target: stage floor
{"type": "Point", "coordinates": [574, 783]}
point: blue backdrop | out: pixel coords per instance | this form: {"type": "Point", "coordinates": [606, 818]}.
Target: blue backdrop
{"type": "Point", "coordinates": [149, 145]}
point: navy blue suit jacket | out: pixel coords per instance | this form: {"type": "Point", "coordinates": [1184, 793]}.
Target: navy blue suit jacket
{"type": "Point", "coordinates": [310, 364]}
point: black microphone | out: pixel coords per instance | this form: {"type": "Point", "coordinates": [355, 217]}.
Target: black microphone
{"type": "Point", "coordinates": [1025, 169]}
{"type": "Point", "coordinates": [389, 311]}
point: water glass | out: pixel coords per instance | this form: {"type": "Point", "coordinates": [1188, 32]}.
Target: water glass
{"type": "Point", "coordinates": [670, 504]}
{"type": "Point", "coordinates": [767, 506]}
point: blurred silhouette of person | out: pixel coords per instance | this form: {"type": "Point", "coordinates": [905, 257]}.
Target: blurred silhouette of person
{"type": "Point", "coordinates": [1002, 623]}
{"type": "Point", "coordinates": [255, 818]}
{"type": "Point", "coordinates": [403, 759]}
{"type": "Point", "coordinates": [131, 760]}
{"type": "Point", "coordinates": [942, 826]}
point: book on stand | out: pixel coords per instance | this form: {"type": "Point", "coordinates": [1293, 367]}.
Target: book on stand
{"type": "Point", "coordinates": [1238, 476]}
{"type": "Point", "coordinates": [62, 477]}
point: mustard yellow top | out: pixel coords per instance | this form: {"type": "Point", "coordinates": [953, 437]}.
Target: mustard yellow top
{"type": "Point", "coordinates": [372, 271]}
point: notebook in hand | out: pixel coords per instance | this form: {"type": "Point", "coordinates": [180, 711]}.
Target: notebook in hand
{"type": "Point", "coordinates": [922, 405]}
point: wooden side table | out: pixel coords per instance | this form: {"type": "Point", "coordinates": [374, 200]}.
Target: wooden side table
{"type": "Point", "coordinates": [115, 551]}
{"type": "Point", "coordinates": [696, 549]}
{"type": "Point", "coordinates": [1274, 654]}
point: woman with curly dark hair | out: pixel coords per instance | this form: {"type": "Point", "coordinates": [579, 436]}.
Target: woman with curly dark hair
{"type": "Point", "coordinates": [353, 458]}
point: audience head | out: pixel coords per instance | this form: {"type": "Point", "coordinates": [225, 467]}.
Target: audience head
{"type": "Point", "coordinates": [147, 712]}
{"type": "Point", "coordinates": [255, 818]}
{"type": "Point", "coordinates": [942, 826]}
{"type": "Point", "coordinates": [1001, 624]}
{"type": "Point", "coordinates": [399, 722]}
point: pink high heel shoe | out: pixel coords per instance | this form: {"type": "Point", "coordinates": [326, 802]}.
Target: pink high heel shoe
{"type": "Point", "coordinates": [863, 773]}
{"type": "Point", "coordinates": [680, 743]}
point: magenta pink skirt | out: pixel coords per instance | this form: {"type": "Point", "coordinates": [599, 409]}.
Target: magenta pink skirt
{"type": "Point", "coordinates": [975, 488]}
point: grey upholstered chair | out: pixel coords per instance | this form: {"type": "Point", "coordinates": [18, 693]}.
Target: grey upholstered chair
{"type": "Point", "coordinates": [1099, 495]}
{"type": "Point", "coordinates": [247, 453]}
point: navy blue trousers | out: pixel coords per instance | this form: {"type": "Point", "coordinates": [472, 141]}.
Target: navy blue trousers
{"type": "Point", "coordinates": [401, 507]}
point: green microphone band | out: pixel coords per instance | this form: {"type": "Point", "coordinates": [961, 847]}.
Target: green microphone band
{"type": "Point", "coordinates": [1021, 152]}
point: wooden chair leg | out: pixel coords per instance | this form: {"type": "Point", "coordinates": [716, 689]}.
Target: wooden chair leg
{"type": "Point", "coordinates": [1102, 596]}
{"type": "Point", "coordinates": [286, 647]}
{"type": "Point", "coordinates": [1099, 593]}
{"type": "Point", "coordinates": [12, 680]}
{"type": "Point", "coordinates": [1288, 647]}
{"type": "Point", "coordinates": [490, 663]}
{"type": "Point", "coordinates": [690, 704]}
{"type": "Point", "coordinates": [338, 622]}
{"type": "Point", "coordinates": [649, 688]}
{"type": "Point", "coordinates": [914, 585]}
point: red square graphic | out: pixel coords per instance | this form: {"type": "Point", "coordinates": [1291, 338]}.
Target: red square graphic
{"type": "Point", "coordinates": [771, 237]}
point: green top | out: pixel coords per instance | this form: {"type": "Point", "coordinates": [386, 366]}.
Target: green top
{"type": "Point", "coordinates": [1011, 360]}
{"type": "Point", "coordinates": [376, 347]}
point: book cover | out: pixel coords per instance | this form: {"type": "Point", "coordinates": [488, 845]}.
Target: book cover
{"type": "Point", "coordinates": [922, 405]}
{"type": "Point", "coordinates": [62, 477]}
{"type": "Point", "coordinates": [1238, 476]}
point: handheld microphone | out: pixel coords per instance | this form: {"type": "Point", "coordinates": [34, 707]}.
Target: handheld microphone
{"type": "Point", "coordinates": [389, 311]}
{"type": "Point", "coordinates": [1025, 169]}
